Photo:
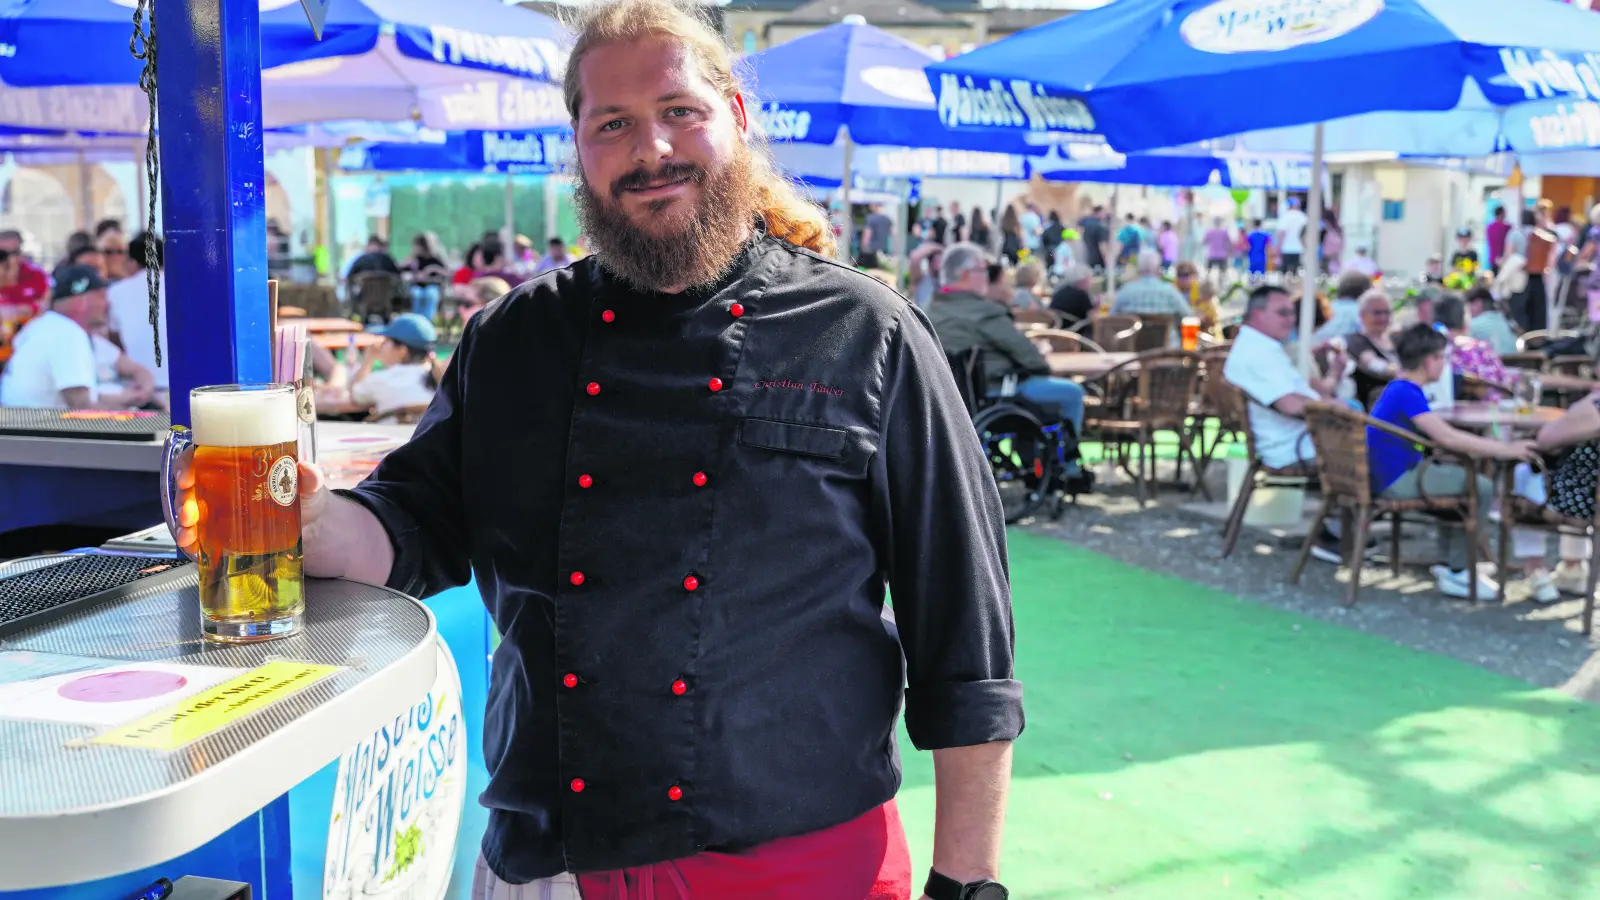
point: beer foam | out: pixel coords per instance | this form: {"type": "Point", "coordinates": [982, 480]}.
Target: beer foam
{"type": "Point", "coordinates": [244, 418]}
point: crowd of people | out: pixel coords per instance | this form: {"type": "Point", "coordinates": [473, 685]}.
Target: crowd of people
{"type": "Point", "coordinates": [79, 336]}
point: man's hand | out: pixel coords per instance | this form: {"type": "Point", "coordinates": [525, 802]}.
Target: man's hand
{"type": "Point", "coordinates": [314, 498]}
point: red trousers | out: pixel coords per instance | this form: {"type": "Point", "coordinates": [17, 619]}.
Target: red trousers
{"type": "Point", "coordinates": [863, 859]}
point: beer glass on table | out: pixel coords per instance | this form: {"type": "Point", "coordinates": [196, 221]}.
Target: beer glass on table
{"type": "Point", "coordinates": [1189, 330]}
{"type": "Point", "coordinates": [240, 488]}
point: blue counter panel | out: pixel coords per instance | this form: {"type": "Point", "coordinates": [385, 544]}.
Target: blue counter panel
{"type": "Point", "coordinates": [45, 495]}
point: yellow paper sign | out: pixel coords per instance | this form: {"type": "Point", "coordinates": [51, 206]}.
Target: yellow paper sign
{"type": "Point", "coordinates": [216, 708]}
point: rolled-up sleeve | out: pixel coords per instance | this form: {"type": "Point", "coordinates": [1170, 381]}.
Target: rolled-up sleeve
{"type": "Point", "coordinates": [416, 493]}
{"type": "Point", "coordinates": [947, 570]}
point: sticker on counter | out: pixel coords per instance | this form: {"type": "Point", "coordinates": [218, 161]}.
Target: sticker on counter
{"type": "Point", "coordinates": [99, 693]}
{"type": "Point", "coordinates": [215, 708]}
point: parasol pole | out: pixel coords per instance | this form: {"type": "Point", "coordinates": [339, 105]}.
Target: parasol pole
{"type": "Point", "coordinates": [848, 227]}
{"type": "Point", "coordinates": [1312, 244]}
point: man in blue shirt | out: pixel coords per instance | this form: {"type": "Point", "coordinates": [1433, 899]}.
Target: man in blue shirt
{"type": "Point", "coordinates": [1396, 466]}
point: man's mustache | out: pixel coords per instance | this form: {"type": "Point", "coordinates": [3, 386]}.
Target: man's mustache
{"type": "Point", "coordinates": [642, 178]}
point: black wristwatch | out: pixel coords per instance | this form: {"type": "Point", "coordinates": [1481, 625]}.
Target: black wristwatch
{"type": "Point", "coordinates": [940, 887]}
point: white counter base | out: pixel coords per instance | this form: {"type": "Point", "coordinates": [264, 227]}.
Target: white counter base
{"type": "Point", "coordinates": [72, 812]}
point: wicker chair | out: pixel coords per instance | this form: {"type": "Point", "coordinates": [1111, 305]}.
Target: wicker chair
{"type": "Point", "coordinates": [1533, 362]}
{"type": "Point", "coordinates": [1064, 341]}
{"type": "Point", "coordinates": [1235, 407]}
{"type": "Point", "coordinates": [1160, 399]}
{"type": "Point", "coordinates": [1048, 318]}
{"type": "Point", "coordinates": [1340, 437]}
{"type": "Point", "coordinates": [375, 296]}
{"type": "Point", "coordinates": [1155, 333]}
{"type": "Point", "coordinates": [1117, 334]}
{"type": "Point", "coordinates": [1525, 514]}
{"type": "Point", "coordinates": [1213, 405]}
{"type": "Point", "coordinates": [1537, 338]}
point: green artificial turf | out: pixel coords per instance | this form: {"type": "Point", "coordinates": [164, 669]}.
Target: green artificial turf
{"type": "Point", "coordinates": [1185, 745]}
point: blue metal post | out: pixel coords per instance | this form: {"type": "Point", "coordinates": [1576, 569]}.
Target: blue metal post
{"type": "Point", "coordinates": [213, 190]}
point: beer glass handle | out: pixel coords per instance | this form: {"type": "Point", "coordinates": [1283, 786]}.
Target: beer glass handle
{"type": "Point", "coordinates": [178, 440]}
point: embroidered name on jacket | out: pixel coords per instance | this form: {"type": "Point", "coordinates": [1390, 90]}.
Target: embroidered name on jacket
{"type": "Point", "coordinates": [815, 387]}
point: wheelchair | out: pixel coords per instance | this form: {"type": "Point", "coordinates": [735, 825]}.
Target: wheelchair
{"type": "Point", "coordinates": [1029, 446]}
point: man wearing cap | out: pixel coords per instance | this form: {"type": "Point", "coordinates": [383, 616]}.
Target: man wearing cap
{"type": "Point", "coordinates": [407, 378]}
{"type": "Point", "coordinates": [53, 365]}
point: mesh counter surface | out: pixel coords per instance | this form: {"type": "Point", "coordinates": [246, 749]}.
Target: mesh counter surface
{"type": "Point", "coordinates": [97, 425]}
{"type": "Point", "coordinates": [55, 787]}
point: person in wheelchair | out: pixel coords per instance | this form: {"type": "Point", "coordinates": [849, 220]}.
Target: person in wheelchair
{"type": "Point", "coordinates": [964, 320]}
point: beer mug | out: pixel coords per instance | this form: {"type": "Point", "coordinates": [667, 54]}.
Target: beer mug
{"type": "Point", "coordinates": [246, 506]}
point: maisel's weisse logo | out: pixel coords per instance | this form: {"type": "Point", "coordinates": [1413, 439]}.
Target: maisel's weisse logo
{"type": "Point", "coordinates": [1542, 74]}
{"type": "Point", "coordinates": [1022, 104]}
{"type": "Point", "coordinates": [781, 124]}
{"type": "Point", "coordinates": [1567, 127]}
{"type": "Point", "coordinates": [398, 799]}
{"type": "Point", "coordinates": [531, 57]}
{"type": "Point", "coordinates": [507, 151]}
{"type": "Point", "coordinates": [1253, 26]}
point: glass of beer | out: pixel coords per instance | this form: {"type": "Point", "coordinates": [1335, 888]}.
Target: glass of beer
{"type": "Point", "coordinates": [246, 508]}
{"type": "Point", "coordinates": [1189, 330]}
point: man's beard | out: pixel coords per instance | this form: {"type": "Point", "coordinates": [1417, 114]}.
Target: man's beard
{"type": "Point", "coordinates": [697, 245]}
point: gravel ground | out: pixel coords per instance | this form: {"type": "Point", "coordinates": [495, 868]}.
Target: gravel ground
{"type": "Point", "coordinates": [1530, 642]}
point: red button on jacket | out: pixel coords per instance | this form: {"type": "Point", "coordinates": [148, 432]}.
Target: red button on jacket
{"type": "Point", "coordinates": [577, 578]}
{"type": "Point", "coordinates": [570, 680]}
{"type": "Point", "coordinates": [594, 388]}
{"type": "Point", "coordinates": [585, 481]}
{"type": "Point", "coordinates": [715, 384]}
{"type": "Point", "coordinates": [679, 687]}
{"type": "Point", "coordinates": [608, 316]}
{"type": "Point", "coordinates": [736, 310]}
{"type": "Point", "coordinates": [700, 479]}
{"type": "Point", "coordinates": [577, 785]}
{"type": "Point", "coordinates": [691, 583]}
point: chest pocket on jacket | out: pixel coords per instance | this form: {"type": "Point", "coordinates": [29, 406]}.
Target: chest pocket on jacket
{"type": "Point", "coordinates": [827, 445]}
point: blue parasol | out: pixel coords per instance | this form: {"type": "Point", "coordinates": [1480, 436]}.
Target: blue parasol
{"type": "Point", "coordinates": [1157, 73]}
{"type": "Point", "coordinates": [85, 42]}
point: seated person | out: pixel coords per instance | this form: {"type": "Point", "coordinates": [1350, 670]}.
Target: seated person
{"type": "Point", "coordinates": [1259, 365]}
{"type": "Point", "coordinates": [494, 264]}
{"type": "Point", "coordinates": [1344, 314]}
{"type": "Point", "coordinates": [1568, 485]}
{"type": "Point", "coordinates": [1149, 294]}
{"type": "Point", "coordinates": [964, 320]}
{"type": "Point", "coordinates": [408, 376]}
{"type": "Point", "coordinates": [1372, 348]}
{"type": "Point", "coordinates": [53, 365]}
{"type": "Point", "coordinates": [115, 370]}
{"type": "Point", "coordinates": [1468, 355]}
{"type": "Point", "coordinates": [1396, 464]}
{"type": "Point", "coordinates": [1073, 299]}
{"type": "Point", "coordinates": [375, 259]}
{"type": "Point", "coordinates": [1487, 322]}
{"type": "Point", "coordinates": [481, 293]}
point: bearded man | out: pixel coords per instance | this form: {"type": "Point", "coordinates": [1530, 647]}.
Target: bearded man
{"type": "Point", "coordinates": [684, 471]}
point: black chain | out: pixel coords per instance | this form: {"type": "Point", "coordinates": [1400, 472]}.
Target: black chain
{"type": "Point", "coordinates": [143, 45]}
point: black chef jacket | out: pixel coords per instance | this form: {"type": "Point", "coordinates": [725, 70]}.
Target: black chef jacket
{"type": "Point", "coordinates": [682, 512]}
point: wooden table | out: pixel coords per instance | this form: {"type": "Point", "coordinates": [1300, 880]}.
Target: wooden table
{"type": "Point", "coordinates": [323, 325]}
{"type": "Point", "coordinates": [1487, 416]}
{"type": "Point", "coordinates": [1086, 365]}
{"type": "Point", "coordinates": [337, 341]}
{"type": "Point", "coordinates": [1565, 384]}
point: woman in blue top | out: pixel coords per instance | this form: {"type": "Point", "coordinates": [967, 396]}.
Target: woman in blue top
{"type": "Point", "coordinates": [1395, 464]}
